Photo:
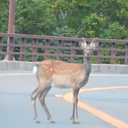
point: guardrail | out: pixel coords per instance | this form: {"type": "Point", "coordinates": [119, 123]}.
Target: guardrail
{"type": "Point", "coordinates": [24, 47]}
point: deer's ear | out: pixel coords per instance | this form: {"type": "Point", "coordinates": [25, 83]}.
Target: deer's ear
{"type": "Point", "coordinates": [94, 43]}
{"type": "Point", "coordinates": [82, 44]}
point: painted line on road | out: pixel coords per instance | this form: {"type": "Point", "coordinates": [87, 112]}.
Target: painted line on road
{"type": "Point", "coordinates": [102, 88]}
{"type": "Point", "coordinates": [102, 115]}
{"type": "Point", "coordinates": [92, 75]}
{"type": "Point", "coordinates": [15, 74]}
{"type": "Point", "coordinates": [109, 75]}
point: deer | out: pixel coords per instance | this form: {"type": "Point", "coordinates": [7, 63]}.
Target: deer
{"type": "Point", "coordinates": [56, 73]}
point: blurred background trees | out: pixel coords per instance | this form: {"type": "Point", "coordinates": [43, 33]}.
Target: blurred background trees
{"type": "Point", "coordinates": [106, 19]}
{"type": "Point", "coordinates": [99, 18]}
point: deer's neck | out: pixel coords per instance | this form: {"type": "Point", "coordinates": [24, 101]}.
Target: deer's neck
{"type": "Point", "coordinates": [87, 66]}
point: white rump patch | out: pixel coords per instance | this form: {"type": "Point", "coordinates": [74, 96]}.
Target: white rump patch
{"type": "Point", "coordinates": [35, 69]}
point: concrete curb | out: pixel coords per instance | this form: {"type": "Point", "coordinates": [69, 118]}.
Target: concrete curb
{"type": "Point", "coordinates": [27, 66]}
{"type": "Point", "coordinates": [16, 65]}
{"type": "Point", "coordinates": [109, 68]}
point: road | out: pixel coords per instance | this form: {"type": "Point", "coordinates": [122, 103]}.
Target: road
{"type": "Point", "coordinates": [103, 102]}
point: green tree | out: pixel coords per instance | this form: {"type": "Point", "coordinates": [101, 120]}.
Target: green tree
{"type": "Point", "coordinates": [116, 14]}
{"type": "Point", "coordinates": [34, 17]}
{"type": "Point", "coordinates": [92, 26]}
{"type": "Point", "coordinates": [115, 31]}
{"type": "Point", "coordinates": [99, 18]}
{"type": "Point", "coordinates": [4, 9]}
{"type": "Point", "coordinates": [114, 10]}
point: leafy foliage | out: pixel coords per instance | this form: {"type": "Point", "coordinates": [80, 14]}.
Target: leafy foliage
{"type": "Point", "coordinates": [4, 7]}
{"type": "Point", "coordinates": [34, 17]}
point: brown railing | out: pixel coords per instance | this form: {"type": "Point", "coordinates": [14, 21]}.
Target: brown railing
{"type": "Point", "coordinates": [24, 47]}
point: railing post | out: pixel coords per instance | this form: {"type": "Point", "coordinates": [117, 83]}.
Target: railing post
{"type": "Point", "coordinates": [72, 52]}
{"type": "Point", "coordinates": [34, 50]}
{"type": "Point", "coordinates": [113, 53]}
{"type": "Point", "coordinates": [99, 53]}
{"type": "Point", "coordinates": [9, 55]}
{"type": "Point", "coordinates": [126, 54]}
{"type": "Point", "coordinates": [0, 48]}
{"type": "Point", "coordinates": [59, 50]}
{"type": "Point", "coordinates": [22, 49]}
{"type": "Point", "coordinates": [46, 49]}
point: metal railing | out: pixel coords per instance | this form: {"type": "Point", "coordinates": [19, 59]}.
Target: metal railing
{"type": "Point", "coordinates": [24, 47]}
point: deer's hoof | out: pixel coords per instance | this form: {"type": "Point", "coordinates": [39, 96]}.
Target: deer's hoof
{"type": "Point", "coordinates": [75, 121]}
{"type": "Point", "coordinates": [36, 119]}
{"type": "Point", "coordinates": [50, 120]}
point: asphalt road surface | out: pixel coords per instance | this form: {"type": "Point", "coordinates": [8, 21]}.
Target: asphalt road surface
{"type": "Point", "coordinates": [103, 102]}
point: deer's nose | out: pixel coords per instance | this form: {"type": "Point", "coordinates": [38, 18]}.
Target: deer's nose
{"type": "Point", "coordinates": [88, 54]}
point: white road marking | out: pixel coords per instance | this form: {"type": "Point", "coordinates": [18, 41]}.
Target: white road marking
{"type": "Point", "coordinates": [92, 75]}
{"type": "Point", "coordinates": [15, 74]}
{"type": "Point", "coordinates": [108, 75]}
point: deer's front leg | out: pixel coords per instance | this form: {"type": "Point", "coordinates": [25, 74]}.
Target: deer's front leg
{"type": "Point", "coordinates": [74, 116]}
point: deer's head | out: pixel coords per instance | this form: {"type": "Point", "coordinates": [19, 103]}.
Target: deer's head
{"type": "Point", "coordinates": [88, 48]}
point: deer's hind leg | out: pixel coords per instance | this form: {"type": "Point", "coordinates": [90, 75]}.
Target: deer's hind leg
{"type": "Point", "coordinates": [34, 95]}
{"type": "Point", "coordinates": [42, 101]}
{"type": "Point", "coordinates": [40, 91]}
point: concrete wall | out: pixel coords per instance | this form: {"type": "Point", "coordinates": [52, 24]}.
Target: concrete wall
{"type": "Point", "coordinates": [96, 68]}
